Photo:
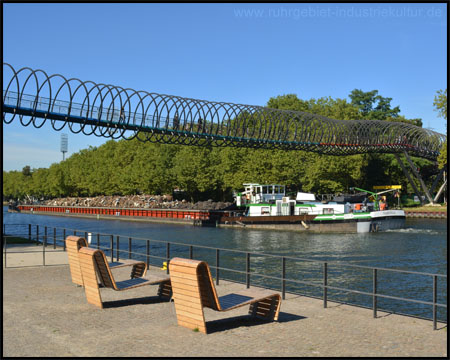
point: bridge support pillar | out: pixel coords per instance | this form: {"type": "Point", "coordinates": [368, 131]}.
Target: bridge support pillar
{"type": "Point", "coordinates": [419, 178]}
{"type": "Point", "coordinates": [417, 175]}
{"type": "Point", "coordinates": [413, 184]}
{"type": "Point", "coordinates": [439, 193]}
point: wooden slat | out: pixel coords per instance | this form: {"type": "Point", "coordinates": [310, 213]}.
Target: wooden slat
{"type": "Point", "coordinates": [90, 282]}
{"type": "Point", "coordinates": [193, 322]}
{"type": "Point", "coordinates": [77, 279]}
{"type": "Point", "coordinates": [165, 289]}
{"type": "Point", "coordinates": [85, 262]}
{"type": "Point", "coordinates": [200, 327]}
{"type": "Point", "coordinates": [189, 314]}
{"type": "Point", "coordinates": [182, 275]}
{"type": "Point", "coordinates": [178, 280]}
{"type": "Point", "coordinates": [188, 292]}
{"type": "Point", "coordinates": [183, 269]}
{"type": "Point", "coordinates": [182, 285]}
{"type": "Point", "coordinates": [92, 290]}
{"type": "Point", "coordinates": [89, 276]}
{"type": "Point", "coordinates": [190, 309]}
{"type": "Point", "coordinates": [176, 296]}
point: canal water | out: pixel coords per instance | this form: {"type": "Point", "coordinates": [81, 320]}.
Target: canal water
{"type": "Point", "coordinates": [420, 247]}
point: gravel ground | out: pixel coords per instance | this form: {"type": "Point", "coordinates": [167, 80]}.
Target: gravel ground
{"type": "Point", "coordinates": [45, 314]}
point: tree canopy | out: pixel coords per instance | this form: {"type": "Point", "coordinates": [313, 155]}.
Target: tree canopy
{"type": "Point", "coordinates": [440, 105]}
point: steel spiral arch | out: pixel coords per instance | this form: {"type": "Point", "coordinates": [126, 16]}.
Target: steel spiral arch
{"type": "Point", "coordinates": [105, 110]}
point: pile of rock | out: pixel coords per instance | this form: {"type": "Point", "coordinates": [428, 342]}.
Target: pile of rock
{"type": "Point", "coordinates": [137, 201]}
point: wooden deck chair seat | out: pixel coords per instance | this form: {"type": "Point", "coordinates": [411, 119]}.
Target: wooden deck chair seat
{"type": "Point", "coordinates": [93, 263]}
{"type": "Point", "coordinates": [75, 243]}
{"type": "Point", "coordinates": [193, 289]}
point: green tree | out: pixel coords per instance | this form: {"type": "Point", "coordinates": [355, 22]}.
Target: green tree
{"type": "Point", "coordinates": [26, 171]}
{"type": "Point", "coordinates": [13, 185]}
{"type": "Point", "coordinates": [440, 104]}
{"type": "Point", "coordinates": [373, 106]}
{"type": "Point", "coordinates": [442, 158]}
{"type": "Point", "coordinates": [39, 184]}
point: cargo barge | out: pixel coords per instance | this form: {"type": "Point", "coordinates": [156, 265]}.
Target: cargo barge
{"type": "Point", "coordinates": [159, 215]}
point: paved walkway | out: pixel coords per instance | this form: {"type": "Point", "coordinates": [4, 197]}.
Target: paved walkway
{"type": "Point", "coordinates": [45, 314]}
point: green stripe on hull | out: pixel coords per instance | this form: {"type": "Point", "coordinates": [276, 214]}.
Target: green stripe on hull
{"type": "Point", "coordinates": [298, 205]}
{"type": "Point", "coordinates": [341, 217]}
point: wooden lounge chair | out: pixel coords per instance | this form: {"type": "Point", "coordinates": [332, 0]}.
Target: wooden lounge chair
{"type": "Point", "coordinates": [93, 263]}
{"type": "Point", "coordinates": [75, 243]}
{"type": "Point", "coordinates": [193, 289]}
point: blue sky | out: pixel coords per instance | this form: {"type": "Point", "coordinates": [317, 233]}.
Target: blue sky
{"type": "Point", "coordinates": [241, 53]}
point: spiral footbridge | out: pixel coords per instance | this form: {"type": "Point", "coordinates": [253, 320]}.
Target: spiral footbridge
{"type": "Point", "coordinates": [34, 98]}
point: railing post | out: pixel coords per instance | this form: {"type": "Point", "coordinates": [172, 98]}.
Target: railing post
{"type": "Point", "coordinates": [217, 267]}
{"type": "Point", "coordinates": [191, 252]}
{"type": "Point", "coordinates": [86, 236]}
{"type": "Point", "coordinates": [434, 301]}
{"type": "Point", "coordinates": [54, 238]}
{"type": "Point", "coordinates": [6, 245]}
{"type": "Point", "coordinates": [374, 293]}
{"type": "Point", "coordinates": [117, 247]}
{"type": "Point", "coordinates": [247, 270]}
{"type": "Point", "coordinates": [148, 253]}
{"type": "Point", "coordinates": [168, 256]}
{"type": "Point", "coordinates": [44, 244]}
{"type": "Point", "coordinates": [111, 244]}
{"type": "Point", "coordinates": [29, 232]}
{"type": "Point", "coordinates": [64, 239]}
{"type": "Point", "coordinates": [37, 234]}
{"type": "Point", "coordinates": [283, 277]}
{"type": "Point", "coordinates": [325, 283]}
{"type": "Point", "coordinates": [129, 248]}
{"type": "Point", "coordinates": [98, 241]}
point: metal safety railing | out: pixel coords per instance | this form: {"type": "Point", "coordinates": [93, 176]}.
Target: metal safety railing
{"type": "Point", "coordinates": [156, 252]}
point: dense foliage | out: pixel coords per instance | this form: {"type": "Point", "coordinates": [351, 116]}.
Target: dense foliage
{"type": "Point", "coordinates": [440, 104]}
{"type": "Point", "coordinates": [132, 167]}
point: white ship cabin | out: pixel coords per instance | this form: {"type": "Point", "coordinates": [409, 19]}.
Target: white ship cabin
{"type": "Point", "coordinates": [257, 194]}
{"type": "Point", "coordinates": [270, 200]}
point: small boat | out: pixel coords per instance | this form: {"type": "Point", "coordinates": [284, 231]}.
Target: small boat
{"type": "Point", "coordinates": [267, 206]}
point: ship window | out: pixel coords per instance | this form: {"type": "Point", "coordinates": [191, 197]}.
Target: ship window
{"type": "Point", "coordinates": [265, 210]}
{"type": "Point", "coordinates": [328, 211]}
